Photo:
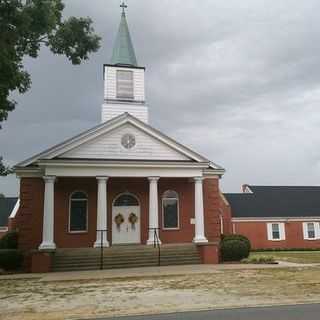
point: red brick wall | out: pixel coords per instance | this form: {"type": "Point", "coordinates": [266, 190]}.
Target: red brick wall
{"type": "Point", "coordinates": [226, 213]}
{"type": "Point", "coordinates": [2, 233]}
{"type": "Point", "coordinates": [257, 234]}
{"type": "Point", "coordinates": [30, 216]}
{"type": "Point", "coordinates": [63, 188]}
{"type": "Point", "coordinates": [212, 211]}
{"type": "Point", "coordinates": [185, 189]}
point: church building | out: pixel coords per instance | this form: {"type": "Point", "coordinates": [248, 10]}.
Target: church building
{"type": "Point", "coordinates": [120, 183]}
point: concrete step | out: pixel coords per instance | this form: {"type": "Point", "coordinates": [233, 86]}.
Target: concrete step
{"type": "Point", "coordinates": [127, 261]}
{"type": "Point", "coordinates": [123, 266]}
{"type": "Point", "coordinates": [124, 257]}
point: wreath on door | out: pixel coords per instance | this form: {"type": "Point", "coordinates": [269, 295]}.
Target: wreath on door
{"type": "Point", "coordinates": [119, 220]}
{"type": "Point", "coordinates": [133, 219]}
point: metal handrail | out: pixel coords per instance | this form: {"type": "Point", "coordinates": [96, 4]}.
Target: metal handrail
{"type": "Point", "coordinates": [156, 242]}
{"type": "Point", "coordinates": [101, 245]}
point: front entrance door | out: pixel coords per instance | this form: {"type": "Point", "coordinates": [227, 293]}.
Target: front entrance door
{"type": "Point", "coordinates": [126, 219]}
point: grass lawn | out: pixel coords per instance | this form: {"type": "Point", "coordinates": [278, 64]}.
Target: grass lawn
{"type": "Point", "coordinates": [291, 256]}
{"type": "Point", "coordinates": [33, 299]}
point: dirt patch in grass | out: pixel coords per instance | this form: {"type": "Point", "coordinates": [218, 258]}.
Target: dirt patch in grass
{"type": "Point", "coordinates": [291, 256]}
{"type": "Point", "coordinates": [33, 299]}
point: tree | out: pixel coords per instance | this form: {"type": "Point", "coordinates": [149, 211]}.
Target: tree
{"type": "Point", "coordinates": [26, 25]}
{"type": "Point", "coordinates": [4, 171]}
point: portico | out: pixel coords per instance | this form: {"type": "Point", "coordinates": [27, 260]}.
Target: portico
{"type": "Point", "coordinates": [149, 198]}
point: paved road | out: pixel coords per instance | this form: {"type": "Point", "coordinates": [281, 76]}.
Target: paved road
{"type": "Point", "coordinates": [298, 312]}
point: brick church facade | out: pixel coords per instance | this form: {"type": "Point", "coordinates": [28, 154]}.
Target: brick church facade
{"type": "Point", "coordinates": [123, 182]}
{"type": "Point", "coordinates": [120, 183]}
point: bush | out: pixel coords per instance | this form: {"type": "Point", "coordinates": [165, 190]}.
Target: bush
{"type": "Point", "coordinates": [9, 240]}
{"type": "Point", "coordinates": [234, 250]}
{"type": "Point", "coordinates": [235, 247]}
{"type": "Point", "coordinates": [10, 259]}
{"type": "Point", "coordinates": [285, 249]}
{"type": "Point", "coordinates": [237, 237]}
{"type": "Point", "coordinates": [260, 260]}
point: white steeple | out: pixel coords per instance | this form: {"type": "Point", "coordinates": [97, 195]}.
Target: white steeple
{"type": "Point", "coordinates": [124, 87]}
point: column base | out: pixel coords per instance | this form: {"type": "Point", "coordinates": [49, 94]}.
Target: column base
{"type": "Point", "coordinates": [151, 242]}
{"type": "Point", "coordinates": [200, 240]}
{"type": "Point", "coordinates": [45, 246]}
{"type": "Point", "coordinates": [105, 244]}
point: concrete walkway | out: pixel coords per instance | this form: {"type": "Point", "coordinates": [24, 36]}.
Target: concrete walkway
{"type": "Point", "coordinates": [149, 271]}
{"type": "Point", "coordinates": [291, 312]}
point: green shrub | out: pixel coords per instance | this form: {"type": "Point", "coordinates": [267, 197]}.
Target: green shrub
{"type": "Point", "coordinates": [10, 259]}
{"type": "Point", "coordinates": [260, 260]}
{"type": "Point", "coordinates": [237, 237]}
{"type": "Point", "coordinates": [235, 247]}
{"type": "Point", "coordinates": [9, 240]}
{"type": "Point", "coordinates": [285, 249]}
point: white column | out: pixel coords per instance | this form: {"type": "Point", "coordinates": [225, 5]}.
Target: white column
{"type": "Point", "coordinates": [153, 209]}
{"type": "Point", "coordinates": [48, 215]}
{"type": "Point", "coordinates": [199, 213]}
{"type": "Point", "coordinates": [102, 213]}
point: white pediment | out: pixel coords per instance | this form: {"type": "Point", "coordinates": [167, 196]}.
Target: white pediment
{"type": "Point", "coordinates": [108, 146]}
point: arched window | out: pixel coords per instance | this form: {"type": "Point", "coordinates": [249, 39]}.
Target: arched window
{"type": "Point", "coordinates": [170, 210]}
{"type": "Point", "coordinates": [126, 200]}
{"type": "Point", "coordinates": [78, 215]}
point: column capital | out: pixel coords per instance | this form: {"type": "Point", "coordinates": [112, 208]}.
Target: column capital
{"type": "Point", "coordinates": [198, 179]}
{"type": "Point", "coordinates": [49, 178]}
{"type": "Point", "coordinates": [153, 179]}
{"type": "Point", "coordinates": [102, 178]}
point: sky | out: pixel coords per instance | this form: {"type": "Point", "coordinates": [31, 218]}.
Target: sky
{"type": "Point", "coordinates": [237, 81]}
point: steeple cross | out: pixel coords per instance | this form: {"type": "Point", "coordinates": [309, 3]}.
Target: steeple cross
{"type": "Point", "coordinates": [123, 6]}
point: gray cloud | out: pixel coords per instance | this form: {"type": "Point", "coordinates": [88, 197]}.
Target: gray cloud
{"type": "Point", "coordinates": [242, 76]}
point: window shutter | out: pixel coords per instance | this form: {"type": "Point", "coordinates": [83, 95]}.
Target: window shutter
{"type": "Point", "coordinates": [125, 84]}
{"type": "Point", "coordinates": [269, 231]}
{"type": "Point", "coordinates": [317, 230]}
{"type": "Point", "coordinates": [282, 231]}
{"type": "Point", "coordinates": [305, 230]}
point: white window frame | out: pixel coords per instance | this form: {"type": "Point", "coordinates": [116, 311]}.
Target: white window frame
{"type": "Point", "coordinates": [282, 231]}
{"type": "Point", "coordinates": [131, 97]}
{"type": "Point", "coordinates": [316, 226]}
{"type": "Point", "coordinates": [178, 210]}
{"type": "Point", "coordinates": [87, 215]}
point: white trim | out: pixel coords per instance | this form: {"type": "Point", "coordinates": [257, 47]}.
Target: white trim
{"type": "Point", "coordinates": [15, 209]}
{"type": "Point", "coordinates": [282, 232]}
{"type": "Point", "coordinates": [107, 127]}
{"type": "Point", "coordinates": [29, 172]}
{"type": "Point", "coordinates": [178, 208]}
{"type": "Point", "coordinates": [305, 231]}
{"type": "Point", "coordinates": [124, 193]}
{"type": "Point", "coordinates": [276, 219]}
{"type": "Point", "coordinates": [4, 229]}
{"type": "Point", "coordinates": [87, 213]}
{"type": "Point", "coordinates": [84, 171]}
{"type": "Point", "coordinates": [121, 164]}
{"type": "Point", "coordinates": [221, 224]}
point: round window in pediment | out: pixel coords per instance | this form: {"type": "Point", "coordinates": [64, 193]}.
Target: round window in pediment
{"type": "Point", "coordinates": [128, 141]}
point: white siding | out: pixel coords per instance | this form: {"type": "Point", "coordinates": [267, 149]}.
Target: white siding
{"type": "Point", "coordinates": [110, 83]}
{"type": "Point", "coordinates": [108, 146]}
{"type": "Point", "coordinates": [109, 111]}
{"type": "Point", "coordinates": [137, 108]}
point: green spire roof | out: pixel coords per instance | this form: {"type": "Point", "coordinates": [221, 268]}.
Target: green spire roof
{"type": "Point", "coordinates": [123, 51]}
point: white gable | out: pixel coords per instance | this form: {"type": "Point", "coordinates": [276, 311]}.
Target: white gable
{"type": "Point", "coordinates": [108, 146]}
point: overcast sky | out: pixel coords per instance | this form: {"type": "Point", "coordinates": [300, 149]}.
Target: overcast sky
{"type": "Point", "coordinates": [238, 81]}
